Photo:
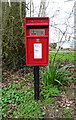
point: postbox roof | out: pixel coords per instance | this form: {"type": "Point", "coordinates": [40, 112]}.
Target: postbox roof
{"type": "Point", "coordinates": [36, 21]}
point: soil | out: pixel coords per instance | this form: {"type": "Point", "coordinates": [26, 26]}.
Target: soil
{"type": "Point", "coordinates": [65, 101]}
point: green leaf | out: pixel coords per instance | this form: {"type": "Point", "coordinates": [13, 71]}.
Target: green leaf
{"type": "Point", "coordinates": [58, 81]}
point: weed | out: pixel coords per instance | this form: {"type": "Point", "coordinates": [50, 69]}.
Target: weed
{"type": "Point", "coordinates": [67, 110]}
{"type": "Point", "coordinates": [67, 113]}
{"type": "Point", "coordinates": [48, 101]}
{"type": "Point", "coordinates": [55, 75]}
{"type": "Point", "coordinates": [50, 91]}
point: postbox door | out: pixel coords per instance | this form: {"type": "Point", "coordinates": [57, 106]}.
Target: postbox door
{"type": "Point", "coordinates": [37, 51]}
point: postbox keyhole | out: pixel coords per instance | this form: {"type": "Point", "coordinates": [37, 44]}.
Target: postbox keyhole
{"type": "Point", "coordinates": [37, 40]}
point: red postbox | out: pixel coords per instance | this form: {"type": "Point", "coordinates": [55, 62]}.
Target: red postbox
{"type": "Point", "coordinates": [36, 40]}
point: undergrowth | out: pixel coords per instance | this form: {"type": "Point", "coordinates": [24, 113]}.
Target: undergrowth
{"type": "Point", "coordinates": [20, 103]}
{"type": "Point", "coordinates": [17, 103]}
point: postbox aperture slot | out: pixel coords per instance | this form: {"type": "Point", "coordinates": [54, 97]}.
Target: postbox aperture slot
{"type": "Point", "coordinates": [37, 32]}
{"type": "Point", "coordinates": [37, 26]}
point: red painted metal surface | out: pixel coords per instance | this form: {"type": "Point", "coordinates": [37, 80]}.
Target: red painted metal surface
{"type": "Point", "coordinates": [36, 31]}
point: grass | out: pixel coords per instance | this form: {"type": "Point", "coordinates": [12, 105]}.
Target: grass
{"type": "Point", "coordinates": [63, 55]}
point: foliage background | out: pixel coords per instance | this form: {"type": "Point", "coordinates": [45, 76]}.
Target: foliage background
{"type": "Point", "coordinates": [13, 55]}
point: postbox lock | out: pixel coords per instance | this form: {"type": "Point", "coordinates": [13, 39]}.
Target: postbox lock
{"type": "Point", "coordinates": [32, 20]}
{"type": "Point", "coordinates": [37, 40]}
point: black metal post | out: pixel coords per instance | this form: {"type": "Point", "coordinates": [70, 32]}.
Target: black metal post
{"type": "Point", "coordinates": [36, 82]}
